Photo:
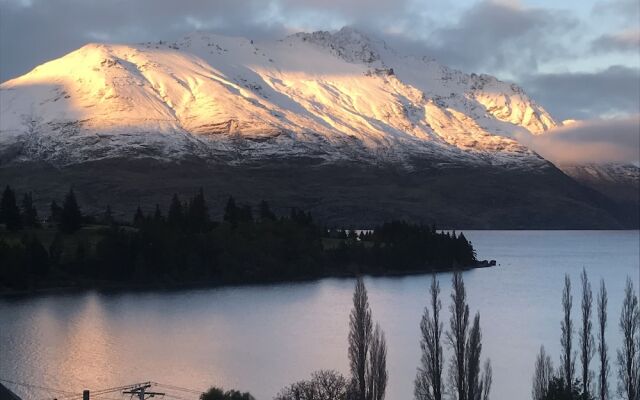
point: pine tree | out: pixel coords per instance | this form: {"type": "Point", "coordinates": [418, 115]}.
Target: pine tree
{"type": "Point", "coordinates": [56, 249]}
{"type": "Point", "coordinates": [265, 212]}
{"type": "Point", "coordinates": [157, 215]}
{"type": "Point", "coordinates": [198, 214]}
{"type": "Point", "coordinates": [231, 212]}
{"type": "Point", "coordinates": [138, 217]}
{"type": "Point", "coordinates": [175, 216]}
{"type": "Point", "coordinates": [9, 211]}
{"type": "Point", "coordinates": [107, 216]}
{"type": "Point", "coordinates": [29, 212]}
{"type": "Point", "coordinates": [71, 216]}
{"type": "Point", "coordinates": [56, 212]}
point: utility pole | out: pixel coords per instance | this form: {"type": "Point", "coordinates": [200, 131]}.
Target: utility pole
{"type": "Point", "coordinates": [140, 391]}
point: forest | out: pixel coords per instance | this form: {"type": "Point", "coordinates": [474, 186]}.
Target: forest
{"type": "Point", "coordinates": [183, 245]}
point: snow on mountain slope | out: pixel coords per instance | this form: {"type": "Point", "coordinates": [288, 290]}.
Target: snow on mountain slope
{"type": "Point", "coordinates": [333, 96]}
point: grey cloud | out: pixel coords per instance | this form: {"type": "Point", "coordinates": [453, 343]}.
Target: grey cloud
{"type": "Point", "coordinates": [625, 11]}
{"type": "Point", "coordinates": [502, 38]}
{"type": "Point", "coordinates": [41, 30]}
{"type": "Point", "coordinates": [591, 141]}
{"type": "Point", "coordinates": [628, 40]}
{"type": "Point", "coordinates": [614, 90]}
{"type": "Point", "coordinates": [492, 36]}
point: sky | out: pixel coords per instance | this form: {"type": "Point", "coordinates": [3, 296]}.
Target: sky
{"type": "Point", "coordinates": [580, 59]}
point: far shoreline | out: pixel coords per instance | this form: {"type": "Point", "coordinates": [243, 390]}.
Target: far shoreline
{"type": "Point", "coordinates": [123, 287]}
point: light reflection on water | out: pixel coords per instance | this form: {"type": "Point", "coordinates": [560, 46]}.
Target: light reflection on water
{"type": "Point", "coordinates": [261, 338]}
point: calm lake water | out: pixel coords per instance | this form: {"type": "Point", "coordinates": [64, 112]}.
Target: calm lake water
{"type": "Point", "coordinates": [261, 338]}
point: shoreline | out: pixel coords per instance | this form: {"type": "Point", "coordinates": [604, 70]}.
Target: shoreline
{"type": "Point", "coordinates": [106, 286]}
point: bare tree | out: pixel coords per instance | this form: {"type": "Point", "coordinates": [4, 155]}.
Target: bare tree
{"type": "Point", "coordinates": [429, 383]}
{"type": "Point", "coordinates": [359, 338]}
{"type": "Point", "coordinates": [474, 350]}
{"type": "Point", "coordinates": [457, 336]}
{"type": "Point", "coordinates": [629, 354]}
{"type": "Point", "coordinates": [566, 341]}
{"type": "Point", "coordinates": [324, 385]}
{"type": "Point", "coordinates": [377, 368]}
{"type": "Point", "coordinates": [586, 337]}
{"type": "Point", "coordinates": [487, 379]}
{"type": "Point", "coordinates": [329, 384]}
{"type": "Point", "coordinates": [542, 375]}
{"type": "Point", "coordinates": [603, 376]}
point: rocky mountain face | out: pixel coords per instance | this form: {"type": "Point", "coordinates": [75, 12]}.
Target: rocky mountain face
{"type": "Point", "coordinates": [334, 122]}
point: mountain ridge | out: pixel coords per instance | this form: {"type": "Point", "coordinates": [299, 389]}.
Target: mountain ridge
{"type": "Point", "coordinates": [331, 122]}
{"type": "Point", "coordinates": [205, 92]}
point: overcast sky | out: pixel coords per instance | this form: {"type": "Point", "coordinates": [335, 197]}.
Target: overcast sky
{"type": "Point", "coordinates": [579, 59]}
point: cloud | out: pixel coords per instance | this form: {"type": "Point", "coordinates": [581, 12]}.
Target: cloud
{"type": "Point", "coordinates": [591, 141]}
{"type": "Point", "coordinates": [502, 36]}
{"type": "Point", "coordinates": [505, 38]}
{"type": "Point", "coordinates": [625, 11]}
{"type": "Point", "coordinates": [585, 95]}
{"type": "Point", "coordinates": [628, 40]}
{"type": "Point", "coordinates": [486, 35]}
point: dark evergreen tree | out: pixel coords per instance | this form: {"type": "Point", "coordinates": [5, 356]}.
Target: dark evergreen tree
{"type": "Point", "coordinates": [107, 216]}
{"type": "Point", "coordinates": [29, 212]}
{"type": "Point", "coordinates": [71, 216]}
{"type": "Point", "coordinates": [9, 211]}
{"type": "Point", "coordinates": [265, 212]}
{"type": "Point", "coordinates": [56, 212]}
{"type": "Point", "coordinates": [36, 257]}
{"type": "Point", "coordinates": [56, 249]}
{"type": "Point", "coordinates": [138, 217]}
{"type": "Point", "coordinates": [198, 213]}
{"type": "Point", "coordinates": [157, 215]}
{"type": "Point", "coordinates": [231, 212]}
{"type": "Point", "coordinates": [175, 216]}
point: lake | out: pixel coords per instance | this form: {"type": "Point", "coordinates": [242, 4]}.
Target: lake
{"type": "Point", "coordinates": [262, 338]}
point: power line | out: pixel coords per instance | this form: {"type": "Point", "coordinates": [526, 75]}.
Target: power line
{"type": "Point", "coordinates": [41, 387]}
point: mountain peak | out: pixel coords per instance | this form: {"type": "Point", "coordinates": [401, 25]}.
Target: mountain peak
{"type": "Point", "coordinates": [348, 43]}
{"type": "Point", "coordinates": [330, 95]}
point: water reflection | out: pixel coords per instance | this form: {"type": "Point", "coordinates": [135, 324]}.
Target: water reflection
{"type": "Point", "coordinates": [261, 338]}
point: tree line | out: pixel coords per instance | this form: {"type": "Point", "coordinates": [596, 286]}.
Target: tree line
{"type": "Point", "coordinates": [184, 244]}
{"type": "Point", "coordinates": [568, 382]}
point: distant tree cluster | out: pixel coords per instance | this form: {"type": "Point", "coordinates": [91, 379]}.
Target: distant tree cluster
{"type": "Point", "coordinates": [184, 244]}
{"type": "Point", "coordinates": [567, 383]}
{"type": "Point", "coordinates": [216, 393]}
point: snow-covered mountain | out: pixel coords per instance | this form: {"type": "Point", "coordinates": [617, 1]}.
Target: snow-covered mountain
{"type": "Point", "coordinates": [331, 96]}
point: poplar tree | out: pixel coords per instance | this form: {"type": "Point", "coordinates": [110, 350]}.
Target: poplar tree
{"type": "Point", "coordinates": [566, 341]}
{"type": "Point", "coordinates": [429, 384]}
{"type": "Point", "coordinates": [360, 330]}
{"type": "Point", "coordinates": [586, 335]}
{"type": "Point", "coordinates": [629, 354]}
{"type": "Point", "coordinates": [457, 336]}
{"type": "Point", "coordinates": [603, 357]}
